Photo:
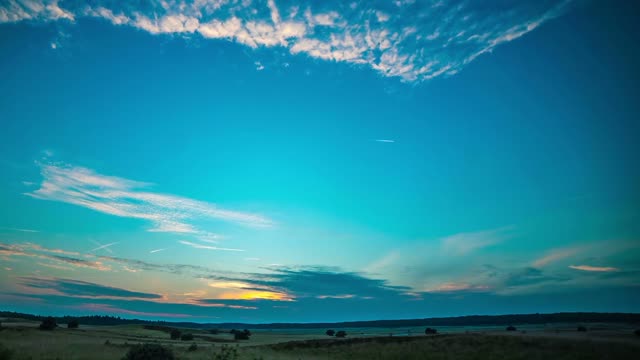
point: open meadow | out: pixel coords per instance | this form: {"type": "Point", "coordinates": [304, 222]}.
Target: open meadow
{"type": "Point", "coordinates": [24, 340]}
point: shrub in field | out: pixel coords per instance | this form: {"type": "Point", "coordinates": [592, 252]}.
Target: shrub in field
{"type": "Point", "coordinates": [341, 334]}
{"type": "Point", "coordinates": [48, 323]}
{"type": "Point", "coordinates": [175, 334]}
{"type": "Point", "coordinates": [5, 354]}
{"type": "Point", "coordinates": [637, 332]}
{"type": "Point", "coordinates": [511, 328]}
{"type": "Point", "coordinates": [193, 347]}
{"type": "Point", "coordinates": [73, 324]}
{"type": "Point", "coordinates": [214, 331]}
{"type": "Point", "coordinates": [186, 337]}
{"type": "Point", "coordinates": [582, 328]}
{"type": "Point", "coordinates": [242, 335]}
{"type": "Point", "coordinates": [330, 332]}
{"type": "Point", "coordinates": [430, 331]}
{"type": "Point", "coordinates": [226, 353]}
{"type": "Point", "coordinates": [149, 352]}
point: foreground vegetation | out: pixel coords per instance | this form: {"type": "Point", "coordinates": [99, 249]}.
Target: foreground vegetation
{"type": "Point", "coordinates": [27, 341]}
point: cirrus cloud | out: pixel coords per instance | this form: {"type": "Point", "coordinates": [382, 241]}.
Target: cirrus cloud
{"type": "Point", "coordinates": [412, 40]}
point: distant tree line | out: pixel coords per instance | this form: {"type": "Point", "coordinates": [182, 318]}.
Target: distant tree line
{"type": "Point", "coordinates": [478, 320]}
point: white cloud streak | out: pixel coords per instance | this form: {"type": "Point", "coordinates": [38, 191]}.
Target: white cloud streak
{"type": "Point", "coordinates": [206, 247]}
{"type": "Point", "coordinates": [126, 198]}
{"type": "Point", "coordinates": [465, 243]}
{"type": "Point", "coordinates": [593, 268]}
{"type": "Point", "coordinates": [412, 40]}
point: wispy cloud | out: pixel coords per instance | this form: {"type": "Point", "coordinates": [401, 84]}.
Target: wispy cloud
{"type": "Point", "coordinates": [19, 230]}
{"type": "Point", "coordinates": [457, 287]}
{"type": "Point", "coordinates": [157, 250]}
{"type": "Point", "coordinates": [412, 40]}
{"type": "Point", "coordinates": [206, 247]}
{"type": "Point", "coordinates": [464, 243]}
{"type": "Point", "coordinates": [556, 255]}
{"type": "Point", "coordinates": [593, 268]}
{"type": "Point", "coordinates": [57, 256]}
{"type": "Point", "coordinates": [78, 288]}
{"type": "Point", "coordinates": [385, 140]}
{"type": "Point", "coordinates": [127, 198]}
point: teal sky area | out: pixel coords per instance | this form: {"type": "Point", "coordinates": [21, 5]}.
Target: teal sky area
{"type": "Point", "coordinates": [274, 161]}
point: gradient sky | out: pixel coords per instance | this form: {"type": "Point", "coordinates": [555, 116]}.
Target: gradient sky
{"type": "Point", "coordinates": [274, 161]}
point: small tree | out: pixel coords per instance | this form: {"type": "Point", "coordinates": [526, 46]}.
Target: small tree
{"type": "Point", "coordinates": [582, 328]}
{"type": "Point", "coordinates": [511, 328]}
{"type": "Point", "coordinates": [186, 337]}
{"type": "Point", "coordinates": [430, 331]}
{"type": "Point", "coordinates": [193, 347]}
{"type": "Point", "coordinates": [214, 331]}
{"type": "Point", "coordinates": [49, 323]}
{"type": "Point", "coordinates": [637, 332]}
{"type": "Point", "coordinates": [330, 332]}
{"type": "Point", "coordinates": [341, 334]}
{"type": "Point", "coordinates": [149, 352]}
{"type": "Point", "coordinates": [242, 335]}
{"type": "Point", "coordinates": [175, 334]}
{"type": "Point", "coordinates": [73, 324]}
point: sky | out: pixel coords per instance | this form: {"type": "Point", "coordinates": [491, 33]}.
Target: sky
{"type": "Point", "coordinates": [303, 161]}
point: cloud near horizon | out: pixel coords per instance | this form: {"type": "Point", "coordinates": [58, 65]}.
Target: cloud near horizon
{"type": "Point", "coordinates": [414, 40]}
{"type": "Point", "coordinates": [77, 288]}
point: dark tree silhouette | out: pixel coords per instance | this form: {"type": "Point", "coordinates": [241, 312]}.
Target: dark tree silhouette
{"type": "Point", "coordinates": [175, 334]}
{"type": "Point", "coordinates": [582, 328]}
{"type": "Point", "coordinates": [149, 352]}
{"type": "Point", "coordinates": [48, 323]}
{"type": "Point", "coordinates": [511, 328]}
{"type": "Point", "coordinates": [341, 334]}
{"type": "Point", "coordinates": [637, 332]}
{"type": "Point", "coordinates": [330, 332]}
{"type": "Point", "coordinates": [242, 335]}
{"type": "Point", "coordinates": [73, 324]}
{"type": "Point", "coordinates": [193, 347]}
{"type": "Point", "coordinates": [186, 337]}
{"type": "Point", "coordinates": [430, 331]}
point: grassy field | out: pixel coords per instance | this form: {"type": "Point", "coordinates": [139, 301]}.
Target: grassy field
{"type": "Point", "coordinates": [602, 341]}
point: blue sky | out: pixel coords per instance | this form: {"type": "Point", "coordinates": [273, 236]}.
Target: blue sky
{"type": "Point", "coordinates": [268, 161]}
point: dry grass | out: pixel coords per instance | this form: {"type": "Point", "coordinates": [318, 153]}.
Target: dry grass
{"type": "Point", "coordinates": [89, 343]}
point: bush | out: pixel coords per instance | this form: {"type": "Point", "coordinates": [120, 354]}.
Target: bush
{"type": "Point", "coordinates": [637, 332]}
{"type": "Point", "coordinates": [582, 328]}
{"type": "Point", "coordinates": [186, 337]}
{"type": "Point", "coordinates": [149, 352]}
{"type": "Point", "coordinates": [48, 323]}
{"type": "Point", "coordinates": [341, 334]}
{"type": "Point", "coordinates": [242, 335]}
{"type": "Point", "coordinates": [430, 331]}
{"type": "Point", "coordinates": [511, 328]}
{"type": "Point", "coordinates": [5, 354]}
{"type": "Point", "coordinates": [73, 324]}
{"type": "Point", "coordinates": [226, 353]}
{"type": "Point", "coordinates": [193, 347]}
{"type": "Point", "coordinates": [175, 334]}
{"type": "Point", "coordinates": [214, 331]}
{"type": "Point", "coordinates": [330, 332]}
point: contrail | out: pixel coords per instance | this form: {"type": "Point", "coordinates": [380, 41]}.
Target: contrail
{"type": "Point", "coordinates": [385, 140]}
{"type": "Point", "coordinates": [156, 250]}
{"type": "Point", "coordinates": [105, 247]}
